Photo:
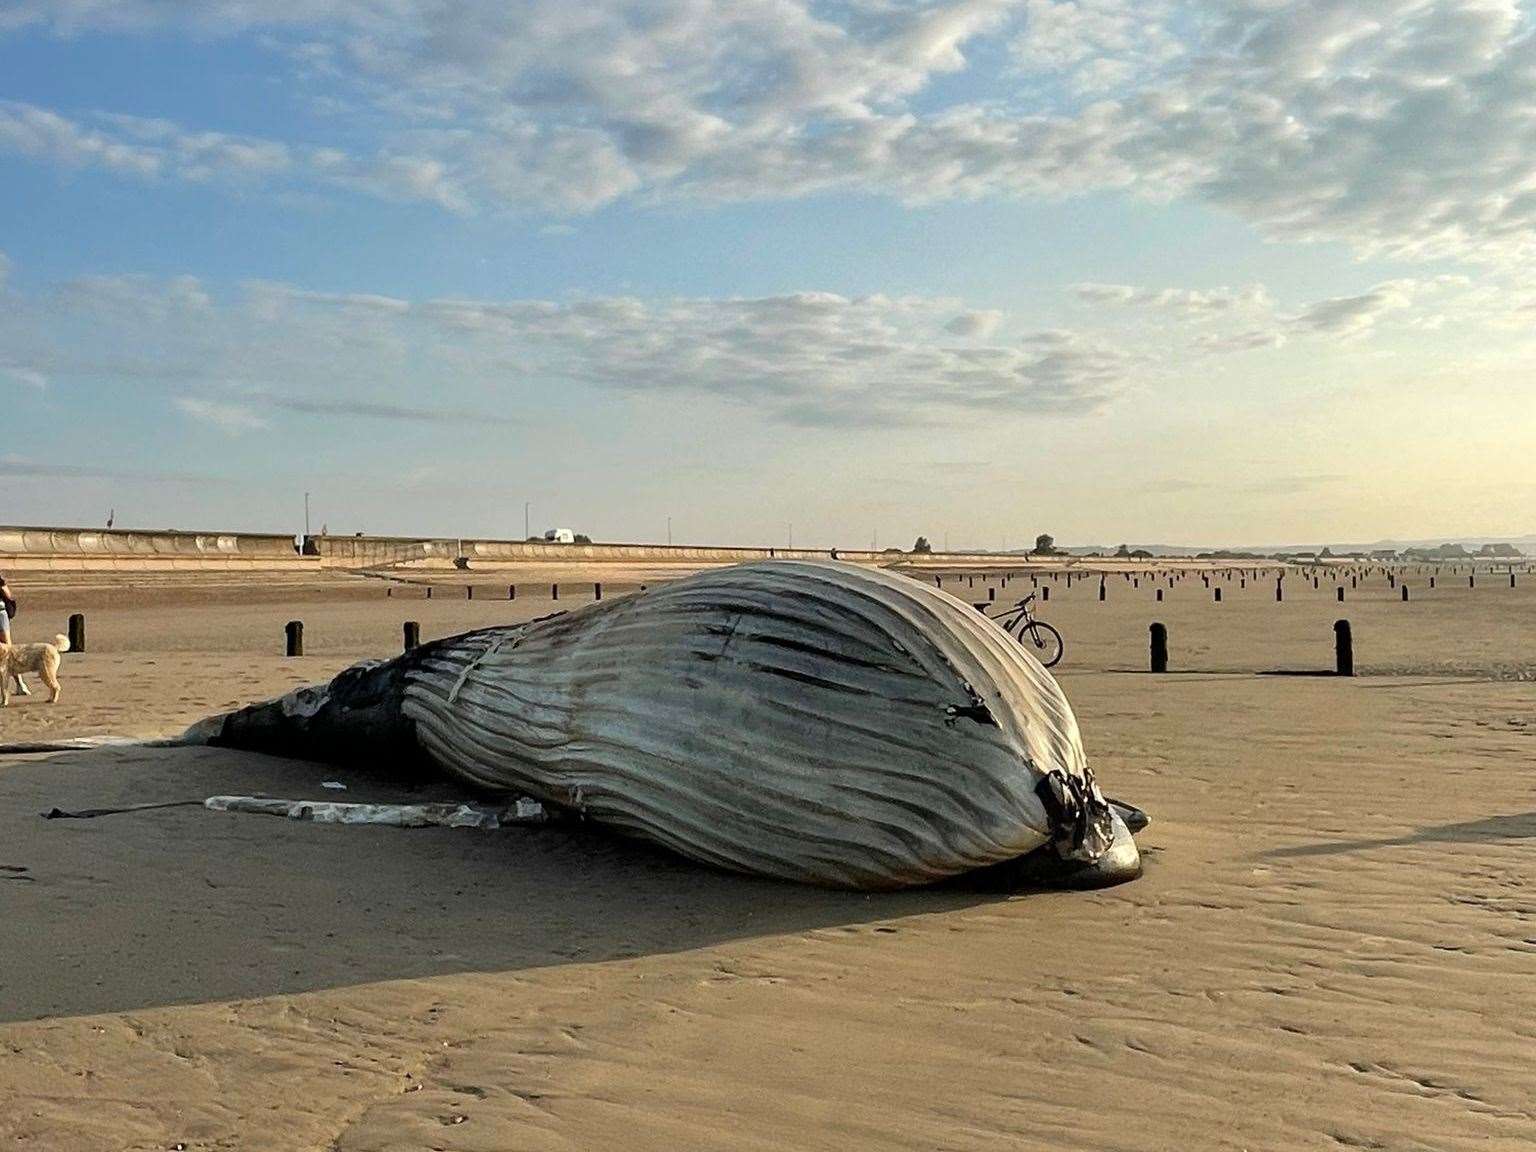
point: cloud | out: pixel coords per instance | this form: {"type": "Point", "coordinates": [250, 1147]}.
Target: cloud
{"type": "Point", "coordinates": [1249, 318]}
{"type": "Point", "coordinates": [1395, 128]}
{"type": "Point", "coordinates": [19, 468]}
{"type": "Point", "coordinates": [377, 410]}
{"type": "Point", "coordinates": [39, 134]}
{"type": "Point", "coordinates": [1186, 302]}
{"type": "Point", "coordinates": [1247, 341]}
{"type": "Point", "coordinates": [231, 418]}
{"type": "Point", "coordinates": [1356, 315]}
{"type": "Point", "coordinates": [1097, 45]}
{"type": "Point", "coordinates": [241, 362]}
{"type": "Point", "coordinates": [974, 324]}
{"type": "Point", "coordinates": [155, 149]}
{"type": "Point", "coordinates": [27, 377]}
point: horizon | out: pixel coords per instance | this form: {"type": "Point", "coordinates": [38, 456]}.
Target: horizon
{"type": "Point", "coordinates": [938, 546]}
{"type": "Point", "coordinates": [831, 271]}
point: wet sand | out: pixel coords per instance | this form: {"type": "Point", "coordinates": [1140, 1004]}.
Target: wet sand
{"type": "Point", "coordinates": [1333, 947]}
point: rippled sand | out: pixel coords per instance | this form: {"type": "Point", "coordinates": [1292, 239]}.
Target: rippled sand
{"type": "Point", "coordinates": [1334, 945]}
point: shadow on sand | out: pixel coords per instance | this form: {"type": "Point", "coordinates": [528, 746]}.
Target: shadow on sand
{"type": "Point", "coordinates": [178, 904]}
{"type": "Point", "coordinates": [1488, 829]}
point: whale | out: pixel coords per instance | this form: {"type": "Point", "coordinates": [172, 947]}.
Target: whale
{"type": "Point", "coordinates": [812, 721]}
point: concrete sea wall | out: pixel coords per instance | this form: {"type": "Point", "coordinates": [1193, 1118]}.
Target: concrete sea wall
{"type": "Point", "coordinates": [133, 550]}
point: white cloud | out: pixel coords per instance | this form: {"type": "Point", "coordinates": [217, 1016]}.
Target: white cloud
{"type": "Point", "coordinates": [1249, 318]}
{"type": "Point", "coordinates": [1250, 340]}
{"type": "Point", "coordinates": [1400, 127]}
{"type": "Point", "coordinates": [40, 134]}
{"type": "Point", "coordinates": [1098, 45]}
{"type": "Point", "coordinates": [1192, 303]}
{"type": "Point", "coordinates": [230, 418]}
{"type": "Point", "coordinates": [27, 377]}
{"type": "Point", "coordinates": [153, 149]}
{"type": "Point", "coordinates": [275, 350]}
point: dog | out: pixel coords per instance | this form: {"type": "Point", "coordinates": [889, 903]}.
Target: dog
{"type": "Point", "coordinates": [40, 658]}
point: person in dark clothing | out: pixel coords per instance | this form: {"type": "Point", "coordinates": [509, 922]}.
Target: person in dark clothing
{"type": "Point", "coordinates": [7, 612]}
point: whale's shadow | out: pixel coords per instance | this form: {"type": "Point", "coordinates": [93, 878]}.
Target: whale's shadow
{"type": "Point", "coordinates": [179, 904]}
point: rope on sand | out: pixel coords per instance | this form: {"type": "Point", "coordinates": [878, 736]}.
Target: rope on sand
{"type": "Point", "coordinates": [84, 744]}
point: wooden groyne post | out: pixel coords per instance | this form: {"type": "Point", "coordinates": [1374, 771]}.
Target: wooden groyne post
{"type": "Point", "coordinates": [1343, 649]}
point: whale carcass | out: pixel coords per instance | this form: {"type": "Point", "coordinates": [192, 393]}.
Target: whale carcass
{"type": "Point", "coordinates": [814, 721]}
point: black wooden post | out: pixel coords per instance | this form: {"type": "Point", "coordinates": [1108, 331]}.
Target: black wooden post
{"type": "Point", "coordinates": [469, 591]}
{"type": "Point", "coordinates": [1343, 649]}
{"type": "Point", "coordinates": [1279, 589]}
{"type": "Point", "coordinates": [1045, 593]}
{"type": "Point", "coordinates": [597, 591]}
{"type": "Point", "coordinates": [412, 632]}
{"type": "Point", "coordinates": [1101, 588]}
{"type": "Point", "coordinates": [554, 591]}
{"type": "Point", "coordinates": [293, 631]}
{"type": "Point", "coordinates": [1218, 593]}
{"type": "Point", "coordinates": [1341, 593]}
{"type": "Point", "coordinates": [77, 632]}
{"type": "Point", "coordinates": [1405, 593]}
{"type": "Point", "coordinates": [991, 594]}
{"type": "Point", "coordinates": [429, 591]}
{"type": "Point", "coordinates": [511, 591]}
{"type": "Point", "coordinates": [1159, 595]}
{"type": "Point", "coordinates": [1159, 648]}
{"type": "Point", "coordinates": [1472, 580]}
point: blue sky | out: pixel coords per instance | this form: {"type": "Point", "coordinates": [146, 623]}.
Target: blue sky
{"type": "Point", "coordinates": [1155, 271]}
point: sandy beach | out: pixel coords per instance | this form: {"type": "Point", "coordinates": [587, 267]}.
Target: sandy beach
{"type": "Point", "coordinates": [1333, 945]}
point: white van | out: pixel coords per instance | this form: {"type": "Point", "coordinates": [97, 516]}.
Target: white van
{"type": "Point", "coordinates": [560, 536]}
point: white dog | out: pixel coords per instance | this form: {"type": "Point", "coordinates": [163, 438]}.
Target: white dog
{"type": "Point", "coordinates": [40, 658]}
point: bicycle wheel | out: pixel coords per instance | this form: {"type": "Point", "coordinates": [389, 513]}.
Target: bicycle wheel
{"type": "Point", "coordinates": [1042, 642]}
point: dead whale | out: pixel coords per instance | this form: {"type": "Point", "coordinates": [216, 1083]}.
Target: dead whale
{"type": "Point", "coordinates": [814, 721]}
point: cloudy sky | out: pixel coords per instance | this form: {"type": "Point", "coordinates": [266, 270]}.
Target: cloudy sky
{"type": "Point", "coordinates": [1236, 271]}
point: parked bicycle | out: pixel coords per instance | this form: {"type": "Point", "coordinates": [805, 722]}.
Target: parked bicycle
{"type": "Point", "coordinates": [1040, 640]}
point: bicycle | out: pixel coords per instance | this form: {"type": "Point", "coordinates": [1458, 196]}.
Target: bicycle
{"type": "Point", "coordinates": [1039, 639]}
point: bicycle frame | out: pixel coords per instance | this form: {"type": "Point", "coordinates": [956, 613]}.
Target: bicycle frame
{"type": "Point", "coordinates": [1017, 619]}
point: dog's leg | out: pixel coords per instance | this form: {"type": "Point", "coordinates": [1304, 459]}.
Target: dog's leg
{"type": "Point", "coordinates": [51, 678]}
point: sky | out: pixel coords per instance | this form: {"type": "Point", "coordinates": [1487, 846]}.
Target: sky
{"type": "Point", "coordinates": [834, 273]}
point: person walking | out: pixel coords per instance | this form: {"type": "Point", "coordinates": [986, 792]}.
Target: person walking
{"type": "Point", "coordinates": [7, 612]}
